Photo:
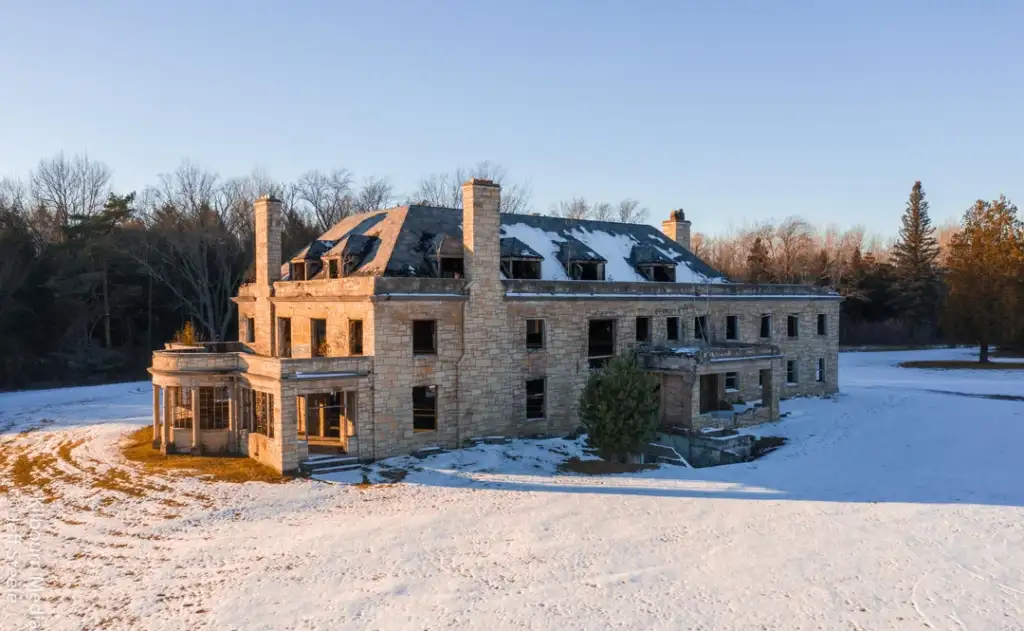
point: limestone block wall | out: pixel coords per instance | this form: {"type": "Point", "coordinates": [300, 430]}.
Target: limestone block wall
{"type": "Point", "coordinates": [338, 313]}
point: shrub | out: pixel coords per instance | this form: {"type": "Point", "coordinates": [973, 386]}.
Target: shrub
{"type": "Point", "coordinates": [187, 335]}
{"type": "Point", "coordinates": [619, 408]}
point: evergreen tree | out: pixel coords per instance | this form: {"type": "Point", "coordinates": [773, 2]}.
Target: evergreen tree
{"type": "Point", "coordinates": [915, 257]}
{"type": "Point", "coordinates": [985, 261]}
{"type": "Point", "coordinates": [619, 408]}
{"type": "Point", "coordinates": [759, 263]}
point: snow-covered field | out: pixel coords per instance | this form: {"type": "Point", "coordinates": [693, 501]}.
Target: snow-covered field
{"type": "Point", "coordinates": [897, 505]}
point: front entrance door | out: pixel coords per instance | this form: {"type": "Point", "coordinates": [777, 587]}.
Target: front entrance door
{"type": "Point", "coordinates": [327, 418]}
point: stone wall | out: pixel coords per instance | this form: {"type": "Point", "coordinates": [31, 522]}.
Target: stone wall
{"type": "Point", "coordinates": [338, 314]}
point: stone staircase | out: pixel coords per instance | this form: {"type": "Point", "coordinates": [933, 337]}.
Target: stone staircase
{"type": "Point", "coordinates": [323, 463]}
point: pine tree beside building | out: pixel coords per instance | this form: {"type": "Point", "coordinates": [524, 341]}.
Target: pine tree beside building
{"type": "Point", "coordinates": [759, 263]}
{"type": "Point", "coordinates": [915, 258]}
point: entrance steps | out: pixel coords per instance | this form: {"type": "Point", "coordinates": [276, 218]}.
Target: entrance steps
{"type": "Point", "coordinates": [329, 464]}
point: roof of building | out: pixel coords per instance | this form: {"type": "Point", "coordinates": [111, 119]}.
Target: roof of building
{"type": "Point", "coordinates": [408, 241]}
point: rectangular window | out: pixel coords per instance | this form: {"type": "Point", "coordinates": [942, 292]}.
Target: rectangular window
{"type": "Point", "coordinates": [318, 346]}
{"type": "Point", "coordinates": [791, 376]}
{"type": "Point", "coordinates": [600, 342]}
{"type": "Point", "coordinates": [766, 325]}
{"type": "Point", "coordinates": [263, 413]}
{"type": "Point", "coordinates": [517, 268]}
{"type": "Point", "coordinates": [732, 327]}
{"type": "Point", "coordinates": [250, 330]}
{"type": "Point", "coordinates": [181, 407]}
{"type": "Point", "coordinates": [822, 324]}
{"type": "Point", "coordinates": [732, 381]}
{"type": "Point", "coordinates": [424, 337]}
{"type": "Point", "coordinates": [793, 326]}
{"type": "Point", "coordinates": [298, 271]}
{"type": "Point", "coordinates": [643, 329]}
{"type": "Point", "coordinates": [582, 270]}
{"type": "Point", "coordinates": [820, 375]}
{"type": "Point", "coordinates": [213, 407]}
{"type": "Point", "coordinates": [284, 337]}
{"type": "Point", "coordinates": [534, 399]}
{"type": "Point", "coordinates": [700, 328]}
{"type": "Point", "coordinates": [451, 267]}
{"type": "Point", "coordinates": [332, 269]}
{"type": "Point", "coordinates": [672, 328]}
{"type": "Point", "coordinates": [355, 337]}
{"type": "Point", "coordinates": [424, 409]}
{"type": "Point", "coordinates": [534, 334]}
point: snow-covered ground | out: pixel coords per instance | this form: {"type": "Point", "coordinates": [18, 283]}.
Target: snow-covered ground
{"type": "Point", "coordinates": [897, 505]}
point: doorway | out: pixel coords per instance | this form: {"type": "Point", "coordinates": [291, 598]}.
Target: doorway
{"type": "Point", "coordinates": [708, 393]}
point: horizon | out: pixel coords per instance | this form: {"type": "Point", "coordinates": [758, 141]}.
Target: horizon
{"type": "Point", "coordinates": [736, 113]}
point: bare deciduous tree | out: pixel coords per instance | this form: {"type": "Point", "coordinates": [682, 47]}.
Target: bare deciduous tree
{"type": "Point", "coordinates": [626, 211]}
{"type": "Point", "coordinates": [375, 193]}
{"type": "Point", "coordinates": [327, 195]}
{"type": "Point", "coordinates": [445, 189]}
{"type": "Point", "coordinates": [68, 187]}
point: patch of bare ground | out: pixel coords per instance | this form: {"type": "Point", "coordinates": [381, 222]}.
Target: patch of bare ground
{"type": "Point", "coordinates": [138, 449]}
{"type": "Point", "coordinates": [963, 365]}
{"type": "Point", "coordinates": [602, 467]}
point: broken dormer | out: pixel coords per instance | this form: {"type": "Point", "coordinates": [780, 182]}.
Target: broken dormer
{"type": "Point", "coordinates": [519, 260]}
{"type": "Point", "coordinates": [306, 263]}
{"type": "Point", "coordinates": [653, 264]}
{"type": "Point", "coordinates": [448, 254]}
{"type": "Point", "coordinates": [345, 258]}
{"type": "Point", "coordinates": [580, 261]}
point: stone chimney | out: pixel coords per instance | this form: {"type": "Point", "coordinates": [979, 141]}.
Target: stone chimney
{"type": "Point", "coordinates": [481, 233]}
{"type": "Point", "coordinates": [677, 228]}
{"type": "Point", "coordinates": [268, 240]}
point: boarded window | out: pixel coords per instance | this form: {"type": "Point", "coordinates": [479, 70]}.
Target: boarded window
{"type": "Point", "coordinates": [732, 327]}
{"type": "Point", "coordinates": [791, 374]}
{"type": "Point", "coordinates": [643, 329]}
{"type": "Point", "coordinates": [534, 334]}
{"type": "Point", "coordinates": [600, 342]}
{"type": "Point", "coordinates": [451, 267]}
{"type": "Point", "coordinates": [793, 326]}
{"type": "Point", "coordinates": [822, 324]}
{"type": "Point", "coordinates": [250, 330]}
{"type": "Point", "coordinates": [519, 268]}
{"type": "Point", "coordinates": [700, 328]}
{"type": "Point", "coordinates": [424, 408]}
{"type": "Point", "coordinates": [284, 337]}
{"type": "Point", "coordinates": [820, 374]}
{"type": "Point", "coordinates": [355, 337]}
{"type": "Point", "coordinates": [732, 381]}
{"type": "Point", "coordinates": [424, 337]}
{"type": "Point", "coordinates": [672, 328]}
{"type": "Point", "coordinates": [318, 345]}
{"type": "Point", "coordinates": [766, 325]}
{"type": "Point", "coordinates": [534, 399]}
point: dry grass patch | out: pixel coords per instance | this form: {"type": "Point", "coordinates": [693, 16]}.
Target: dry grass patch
{"type": "Point", "coordinates": [602, 467]}
{"type": "Point", "coordinates": [963, 365]}
{"type": "Point", "coordinates": [138, 448]}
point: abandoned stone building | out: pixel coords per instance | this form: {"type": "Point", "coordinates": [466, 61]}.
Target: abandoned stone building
{"type": "Point", "coordinates": [418, 328]}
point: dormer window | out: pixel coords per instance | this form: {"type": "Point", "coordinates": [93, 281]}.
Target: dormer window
{"type": "Point", "coordinates": [298, 271]}
{"type": "Point", "coordinates": [451, 267]}
{"type": "Point", "coordinates": [580, 261]}
{"type": "Point", "coordinates": [520, 268]}
{"type": "Point", "coordinates": [333, 270]}
{"type": "Point", "coordinates": [586, 270]}
{"type": "Point", "coordinates": [658, 273]}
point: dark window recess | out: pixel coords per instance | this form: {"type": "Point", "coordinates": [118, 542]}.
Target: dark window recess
{"type": "Point", "coordinates": [355, 337]}
{"type": "Point", "coordinates": [318, 338]}
{"type": "Point", "coordinates": [793, 326]}
{"type": "Point", "coordinates": [672, 328]}
{"type": "Point", "coordinates": [659, 273]}
{"type": "Point", "coordinates": [766, 325]}
{"type": "Point", "coordinates": [820, 376]}
{"type": "Point", "coordinates": [284, 337]}
{"type": "Point", "coordinates": [534, 334]}
{"type": "Point", "coordinates": [332, 269]}
{"type": "Point", "coordinates": [822, 324]}
{"type": "Point", "coordinates": [643, 329]}
{"type": "Point", "coordinates": [600, 342]}
{"type": "Point", "coordinates": [700, 328]}
{"type": "Point", "coordinates": [534, 399]}
{"type": "Point", "coordinates": [424, 337]}
{"type": "Point", "coordinates": [250, 330]}
{"type": "Point", "coordinates": [587, 271]}
{"type": "Point", "coordinates": [263, 413]}
{"type": "Point", "coordinates": [298, 271]}
{"type": "Point", "coordinates": [515, 268]}
{"type": "Point", "coordinates": [732, 381]}
{"type": "Point", "coordinates": [732, 327]}
{"type": "Point", "coordinates": [451, 267]}
{"type": "Point", "coordinates": [791, 376]}
{"type": "Point", "coordinates": [424, 408]}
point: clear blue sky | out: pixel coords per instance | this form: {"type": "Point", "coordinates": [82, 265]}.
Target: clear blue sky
{"type": "Point", "coordinates": [735, 111]}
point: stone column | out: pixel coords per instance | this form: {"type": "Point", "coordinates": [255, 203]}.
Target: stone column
{"type": "Point", "coordinates": [156, 415]}
{"type": "Point", "coordinates": [195, 422]}
{"type": "Point", "coordinates": [165, 429]}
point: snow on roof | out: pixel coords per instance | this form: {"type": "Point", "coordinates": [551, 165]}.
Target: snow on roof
{"type": "Point", "coordinates": [542, 242]}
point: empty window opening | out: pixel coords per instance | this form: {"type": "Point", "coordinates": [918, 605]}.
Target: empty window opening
{"type": "Point", "coordinates": [258, 412]}
{"type": "Point", "coordinates": [451, 267]}
{"type": "Point", "coordinates": [793, 326]}
{"type": "Point", "coordinates": [732, 327]}
{"type": "Point", "coordinates": [298, 271]}
{"type": "Point", "coordinates": [643, 330]}
{"type": "Point", "coordinates": [250, 330]}
{"type": "Point", "coordinates": [424, 337]}
{"type": "Point", "coordinates": [318, 345]}
{"type": "Point", "coordinates": [732, 381]}
{"type": "Point", "coordinates": [424, 408]}
{"type": "Point", "coordinates": [534, 399]}
{"type": "Point", "coordinates": [659, 273]}
{"type": "Point", "coordinates": [332, 269]}
{"type": "Point", "coordinates": [700, 328]}
{"type": "Point", "coordinates": [600, 342]}
{"type": "Point", "coordinates": [819, 375]}
{"type": "Point", "coordinates": [791, 374]}
{"type": "Point", "coordinates": [766, 325]}
{"type": "Point", "coordinates": [327, 416]}
{"type": "Point", "coordinates": [355, 337]}
{"type": "Point", "coordinates": [519, 268]}
{"type": "Point", "coordinates": [534, 334]}
{"type": "Point", "coordinates": [672, 328]}
{"type": "Point", "coordinates": [822, 324]}
{"type": "Point", "coordinates": [284, 337]}
{"type": "Point", "coordinates": [582, 270]}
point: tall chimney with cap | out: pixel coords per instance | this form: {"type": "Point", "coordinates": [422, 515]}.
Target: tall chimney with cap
{"type": "Point", "coordinates": [677, 228]}
{"type": "Point", "coordinates": [268, 269]}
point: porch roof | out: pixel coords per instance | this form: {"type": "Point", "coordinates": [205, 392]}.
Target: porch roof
{"type": "Point", "coordinates": [688, 358]}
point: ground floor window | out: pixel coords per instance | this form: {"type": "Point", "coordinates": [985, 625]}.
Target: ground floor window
{"type": "Point", "coordinates": [820, 375]}
{"type": "Point", "coordinates": [326, 415]}
{"type": "Point", "coordinates": [181, 407]}
{"type": "Point", "coordinates": [732, 381]}
{"type": "Point", "coordinates": [424, 409]}
{"type": "Point", "coordinates": [791, 374]}
{"type": "Point", "coordinates": [535, 409]}
{"type": "Point", "coordinates": [214, 407]}
{"type": "Point", "coordinates": [672, 328]}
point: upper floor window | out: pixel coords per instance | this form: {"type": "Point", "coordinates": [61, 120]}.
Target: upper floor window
{"type": "Point", "coordinates": [643, 329]}
{"type": "Point", "coordinates": [424, 337]}
{"type": "Point", "coordinates": [700, 328]}
{"type": "Point", "coordinates": [658, 273]}
{"type": "Point", "coordinates": [355, 337]}
{"type": "Point", "coordinates": [284, 337]}
{"type": "Point", "coordinates": [766, 325]}
{"type": "Point", "coordinates": [318, 345]}
{"type": "Point", "coordinates": [451, 267]}
{"type": "Point", "coordinates": [822, 324]}
{"type": "Point", "coordinates": [793, 326]}
{"type": "Point", "coordinates": [332, 269]}
{"type": "Point", "coordinates": [732, 327]}
{"type": "Point", "coordinates": [520, 268]}
{"type": "Point", "coordinates": [534, 334]}
{"type": "Point", "coordinates": [586, 270]}
{"type": "Point", "coordinates": [250, 330]}
{"type": "Point", "coordinates": [672, 328]}
{"type": "Point", "coordinates": [600, 342]}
